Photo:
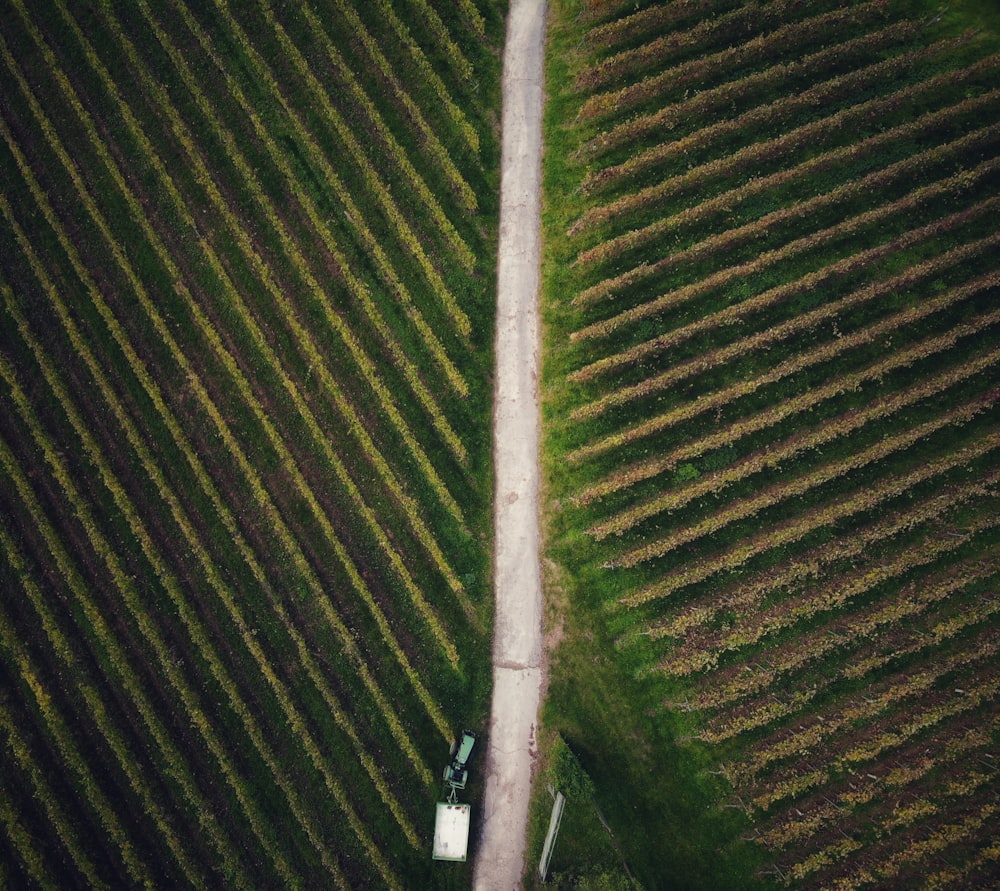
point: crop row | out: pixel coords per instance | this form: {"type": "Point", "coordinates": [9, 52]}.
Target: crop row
{"type": "Point", "coordinates": [807, 135]}
{"type": "Point", "coordinates": [828, 312]}
{"type": "Point", "coordinates": [791, 658]}
{"type": "Point", "coordinates": [242, 461]}
{"type": "Point", "coordinates": [315, 359]}
{"type": "Point", "coordinates": [154, 644]}
{"type": "Point", "coordinates": [263, 500]}
{"type": "Point", "coordinates": [618, 245]}
{"type": "Point", "coordinates": [913, 766]}
{"type": "Point", "coordinates": [212, 573]}
{"type": "Point", "coordinates": [225, 632]}
{"type": "Point", "coordinates": [370, 372]}
{"type": "Point", "coordinates": [355, 151]}
{"type": "Point", "coordinates": [909, 859]}
{"type": "Point", "coordinates": [377, 252]}
{"type": "Point", "coordinates": [765, 709]}
{"type": "Point", "coordinates": [447, 47]}
{"type": "Point", "coordinates": [309, 346]}
{"type": "Point", "coordinates": [724, 98]}
{"type": "Point", "coordinates": [826, 813]}
{"type": "Point", "coordinates": [931, 711]}
{"type": "Point", "coordinates": [427, 72]}
{"type": "Point", "coordinates": [796, 487]}
{"type": "Point", "coordinates": [606, 35]}
{"type": "Point", "coordinates": [197, 632]}
{"type": "Point", "coordinates": [779, 295]}
{"type": "Point", "coordinates": [717, 29]}
{"type": "Point", "coordinates": [811, 565]}
{"type": "Point", "coordinates": [352, 213]}
{"type": "Point", "coordinates": [977, 868]}
{"type": "Point", "coordinates": [901, 358]}
{"type": "Point", "coordinates": [441, 157]}
{"type": "Point", "coordinates": [982, 610]}
{"type": "Point", "coordinates": [82, 349]}
{"type": "Point", "coordinates": [860, 715]}
{"type": "Point", "coordinates": [793, 36]}
{"type": "Point", "coordinates": [119, 668]}
{"type": "Point", "coordinates": [777, 388]}
{"type": "Point", "coordinates": [923, 803]}
{"type": "Point", "coordinates": [807, 358]}
{"type": "Point", "coordinates": [23, 846]}
{"type": "Point", "coordinates": [792, 531]}
{"type": "Point", "coordinates": [746, 508]}
{"type": "Point", "coordinates": [728, 201]}
{"type": "Point", "coordinates": [57, 731]}
{"type": "Point", "coordinates": [428, 137]}
{"type": "Point", "coordinates": [473, 18]}
{"type": "Point", "coordinates": [194, 626]}
{"type": "Point", "coordinates": [352, 419]}
{"type": "Point", "coordinates": [898, 830]}
{"type": "Point", "coordinates": [911, 692]}
{"type": "Point", "coordinates": [775, 453]}
{"type": "Point", "coordinates": [727, 687]}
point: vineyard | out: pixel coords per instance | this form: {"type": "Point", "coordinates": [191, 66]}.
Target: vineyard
{"type": "Point", "coordinates": [772, 298]}
{"type": "Point", "coordinates": [247, 256]}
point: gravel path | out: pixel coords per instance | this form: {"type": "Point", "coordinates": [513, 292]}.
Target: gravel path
{"type": "Point", "coordinates": [517, 641]}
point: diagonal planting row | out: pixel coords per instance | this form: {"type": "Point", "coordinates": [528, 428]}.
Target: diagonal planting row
{"type": "Point", "coordinates": [726, 97]}
{"type": "Point", "coordinates": [317, 363]}
{"type": "Point", "coordinates": [709, 31]}
{"type": "Point", "coordinates": [93, 625]}
{"type": "Point", "coordinates": [395, 151]}
{"type": "Point", "coordinates": [871, 147]}
{"type": "Point", "coordinates": [222, 618]}
{"type": "Point", "coordinates": [842, 425]}
{"type": "Point", "coordinates": [156, 647]}
{"type": "Point", "coordinates": [724, 686]}
{"type": "Point", "coordinates": [838, 89]}
{"type": "Point", "coordinates": [796, 362]}
{"type": "Point", "coordinates": [765, 709]}
{"type": "Point", "coordinates": [140, 290]}
{"type": "Point", "coordinates": [795, 37]}
{"type": "Point", "coordinates": [195, 627]}
{"type": "Point", "coordinates": [774, 281]}
{"type": "Point", "coordinates": [372, 180]}
{"type": "Point", "coordinates": [966, 180]}
{"type": "Point", "coordinates": [413, 50]}
{"type": "Point", "coordinates": [414, 114]}
{"type": "Point", "coordinates": [212, 572]}
{"type": "Point", "coordinates": [696, 617]}
{"type": "Point", "coordinates": [352, 213]}
{"type": "Point", "coordinates": [809, 400]}
{"type": "Point", "coordinates": [211, 409]}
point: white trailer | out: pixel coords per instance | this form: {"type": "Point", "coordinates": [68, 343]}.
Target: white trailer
{"type": "Point", "coordinates": [451, 831]}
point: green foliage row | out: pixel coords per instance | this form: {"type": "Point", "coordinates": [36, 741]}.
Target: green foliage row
{"type": "Point", "coordinates": [246, 606]}
{"type": "Point", "coordinates": [770, 396]}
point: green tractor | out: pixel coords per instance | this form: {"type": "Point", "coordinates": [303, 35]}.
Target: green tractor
{"type": "Point", "coordinates": [456, 773]}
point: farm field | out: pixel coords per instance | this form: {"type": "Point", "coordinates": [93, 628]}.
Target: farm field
{"type": "Point", "coordinates": [247, 262]}
{"type": "Point", "coordinates": [772, 445]}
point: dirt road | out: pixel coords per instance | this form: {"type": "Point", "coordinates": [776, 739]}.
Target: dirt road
{"type": "Point", "coordinates": [517, 641]}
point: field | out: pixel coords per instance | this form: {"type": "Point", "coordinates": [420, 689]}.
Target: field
{"type": "Point", "coordinates": [772, 440]}
{"type": "Point", "coordinates": [247, 260]}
